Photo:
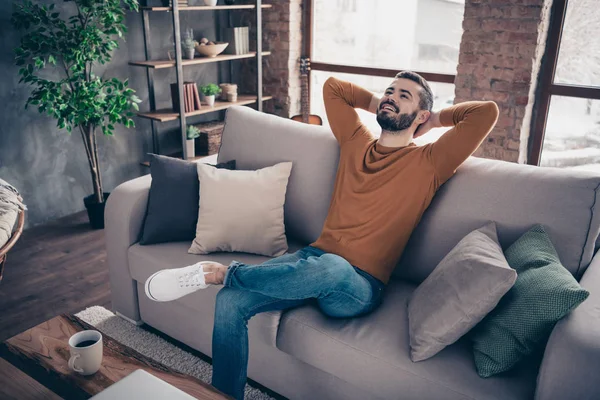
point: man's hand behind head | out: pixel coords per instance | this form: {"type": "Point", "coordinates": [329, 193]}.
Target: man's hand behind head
{"type": "Point", "coordinates": [432, 122]}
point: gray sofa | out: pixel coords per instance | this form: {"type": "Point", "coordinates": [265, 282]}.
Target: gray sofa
{"type": "Point", "coordinates": [301, 353]}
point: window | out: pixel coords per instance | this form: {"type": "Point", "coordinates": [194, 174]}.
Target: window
{"type": "Point", "coordinates": [566, 130]}
{"type": "Point", "coordinates": [368, 41]}
{"type": "Point", "coordinates": [422, 35]}
{"type": "Point", "coordinates": [443, 97]}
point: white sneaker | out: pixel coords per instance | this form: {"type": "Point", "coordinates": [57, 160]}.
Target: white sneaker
{"type": "Point", "coordinates": [171, 284]}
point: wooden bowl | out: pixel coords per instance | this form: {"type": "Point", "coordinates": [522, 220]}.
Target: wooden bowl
{"type": "Point", "coordinates": [211, 50]}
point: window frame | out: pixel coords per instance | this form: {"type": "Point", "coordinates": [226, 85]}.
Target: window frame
{"type": "Point", "coordinates": [546, 86]}
{"type": "Point", "coordinates": [352, 69]}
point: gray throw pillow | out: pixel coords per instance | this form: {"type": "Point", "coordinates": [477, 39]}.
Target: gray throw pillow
{"type": "Point", "coordinates": [173, 201]}
{"type": "Point", "coordinates": [465, 286]}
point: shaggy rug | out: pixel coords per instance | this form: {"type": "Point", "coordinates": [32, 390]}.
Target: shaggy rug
{"type": "Point", "coordinates": [155, 347]}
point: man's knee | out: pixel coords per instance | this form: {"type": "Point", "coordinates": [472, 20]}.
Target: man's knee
{"type": "Point", "coordinates": [232, 302]}
{"type": "Point", "coordinates": [336, 267]}
{"type": "Point", "coordinates": [228, 301]}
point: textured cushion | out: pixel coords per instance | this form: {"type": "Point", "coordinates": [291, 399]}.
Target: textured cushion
{"type": "Point", "coordinates": [173, 200]}
{"type": "Point", "coordinates": [522, 322]}
{"type": "Point", "coordinates": [242, 210]}
{"type": "Point", "coordinates": [516, 197]}
{"type": "Point", "coordinates": [372, 352]}
{"type": "Point", "coordinates": [465, 286]}
{"type": "Point", "coordinates": [257, 140]}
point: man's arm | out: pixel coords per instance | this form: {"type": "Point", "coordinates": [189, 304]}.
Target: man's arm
{"type": "Point", "coordinates": [472, 121]}
{"type": "Point", "coordinates": [341, 98]}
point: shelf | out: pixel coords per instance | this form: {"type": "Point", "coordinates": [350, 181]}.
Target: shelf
{"type": "Point", "coordinates": [160, 64]}
{"type": "Point", "coordinates": [208, 8]}
{"type": "Point", "coordinates": [178, 155]}
{"type": "Point", "coordinates": [170, 115]}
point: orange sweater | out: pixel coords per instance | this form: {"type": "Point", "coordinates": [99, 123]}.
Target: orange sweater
{"type": "Point", "coordinates": [380, 192]}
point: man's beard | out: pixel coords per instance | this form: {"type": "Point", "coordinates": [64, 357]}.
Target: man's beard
{"type": "Point", "coordinates": [398, 122]}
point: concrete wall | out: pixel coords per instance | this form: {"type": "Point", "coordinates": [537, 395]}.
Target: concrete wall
{"type": "Point", "coordinates": [49, 166]}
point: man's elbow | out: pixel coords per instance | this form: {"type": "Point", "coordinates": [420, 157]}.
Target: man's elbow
{"type": "Point", "coordinates": [491, 110]}
{"type": "Point", "coordinates": [331, 86]}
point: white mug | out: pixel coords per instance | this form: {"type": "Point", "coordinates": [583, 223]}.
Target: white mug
{"type": "Point", "coordinates": [86, 359]}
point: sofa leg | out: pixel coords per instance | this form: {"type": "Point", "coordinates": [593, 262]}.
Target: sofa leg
{"type": "Point", "coordinates": [136, 323]}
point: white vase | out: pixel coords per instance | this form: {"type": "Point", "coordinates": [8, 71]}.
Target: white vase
{"type": "Point", "coordinates": [189, 145]}
{"type": "Point", "coordinates": [210, 2]}
{"type": "Point", "coordinates": [210, 100]}
{"type": "Point", "coordinates": [189, 52]}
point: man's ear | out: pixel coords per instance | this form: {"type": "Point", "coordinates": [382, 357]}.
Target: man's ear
{"type": "Point", "coordinates": [423, 116]}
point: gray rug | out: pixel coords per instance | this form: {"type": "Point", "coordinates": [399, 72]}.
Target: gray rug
{"type": "Point", "coordinates": [156, 347]}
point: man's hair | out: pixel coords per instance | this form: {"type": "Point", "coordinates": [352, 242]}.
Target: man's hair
{"type": "Point", "coordinates": [426, 94]}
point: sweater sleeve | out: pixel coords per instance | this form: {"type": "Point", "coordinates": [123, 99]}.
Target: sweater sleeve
{"type": "Point", "coordinates": [341, 98]}
{"type": "Point", "coordinates": [471, 121]}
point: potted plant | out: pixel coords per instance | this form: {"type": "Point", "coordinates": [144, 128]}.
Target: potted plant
{"type": "Point", "coordinates": [76, 97]}
{"type": "Point", "coordinates": [192, 133]}
{"type": "Point", "coordinates": [209, 91]}
{"type": "Point", "coordinates": [188, 47]}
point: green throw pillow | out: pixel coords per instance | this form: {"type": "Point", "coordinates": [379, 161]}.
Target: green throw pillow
{"type": "Point", "coordinates": [544, 292]}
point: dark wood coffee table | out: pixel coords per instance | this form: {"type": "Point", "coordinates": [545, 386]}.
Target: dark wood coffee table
{"type": "Point", "coordinates": [42, 352]}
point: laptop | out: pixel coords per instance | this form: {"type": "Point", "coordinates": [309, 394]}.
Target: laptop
{"type": "Point", "coordinates": [141, 385]}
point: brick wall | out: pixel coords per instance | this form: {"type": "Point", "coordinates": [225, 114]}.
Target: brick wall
{"type": "Point", "coordinates": [500, 57]}
{"type": "Point", "coordinates": [282, 34]}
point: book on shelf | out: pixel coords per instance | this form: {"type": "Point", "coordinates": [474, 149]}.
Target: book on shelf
{"type": "Point", "coordinates": [237, 38]}
{"type": "Point", "coordinates": [191, 98]}
{"type": "Point", "coordinates": [197, 97]}
{"type": "Point", "coordinates": [186, 99]}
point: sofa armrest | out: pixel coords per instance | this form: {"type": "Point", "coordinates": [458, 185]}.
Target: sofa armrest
{"type": "Point", "coordinates": [123, 218]}
{"type": "Point", "coordinates": [571, 360]}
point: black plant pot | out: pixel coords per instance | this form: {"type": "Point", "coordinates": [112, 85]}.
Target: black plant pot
{"type": "Point", "coordinates": [95, 211]}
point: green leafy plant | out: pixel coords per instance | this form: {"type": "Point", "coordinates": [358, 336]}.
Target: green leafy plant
{"type": "Point", "coordinates": [210, 90]}
{"type": "Point", "coordinates": [76, 97]}
{"type": "Point", "coordinates": [192, 132]}
{"type": "Point", "coordinates": [189, 43]}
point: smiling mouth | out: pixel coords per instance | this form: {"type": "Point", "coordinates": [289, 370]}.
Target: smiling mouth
{"type": "Point", "coordinates": [388, 107]}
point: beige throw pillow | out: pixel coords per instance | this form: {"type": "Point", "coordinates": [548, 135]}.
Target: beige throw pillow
{"type": "Point", "coordinates": [465, 286]}
{"type": "Point", "coordinates": [242, 211]}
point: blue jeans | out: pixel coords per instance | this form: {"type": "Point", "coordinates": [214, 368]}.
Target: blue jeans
{"type": "Point", "coordinates": [340, 289]}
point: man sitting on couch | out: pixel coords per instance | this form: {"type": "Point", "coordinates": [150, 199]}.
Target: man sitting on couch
{"type": "Point", "coordinates": [383, 186]}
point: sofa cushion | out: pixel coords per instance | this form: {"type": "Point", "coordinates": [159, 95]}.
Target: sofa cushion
{"type": "Point", "coordinates": [236, 205]}
{"type": "Point", "coordinates": [523, 321]}
{"type": "Point", "coordinates": [517, 197]}
{"type": "Point", "coordinates": [465, 286]}
{"type": "Point", "coordinates": [173, 200]}
{"type": "Point", "coordinates": [146, 260]}
{"type": "Point", "coordinates": [373, 352]}
{"type": "Point", "coordinates": [257, 140]}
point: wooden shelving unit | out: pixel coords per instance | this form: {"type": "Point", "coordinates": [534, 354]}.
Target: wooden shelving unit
{"type": "Point", "coordinates": [208, 8]}
{"type": "Point", "coordinates": [180, 156]}
{"type": "Point", "coordinates": [161, 64]}
{"type": "Point", "coordinates": [158, 116]}
{"type": "Point", "coordinates": [170, 115]}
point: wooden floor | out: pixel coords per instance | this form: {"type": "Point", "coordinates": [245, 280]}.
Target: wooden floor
{"type": "Point", "coordinates": [56, 268]}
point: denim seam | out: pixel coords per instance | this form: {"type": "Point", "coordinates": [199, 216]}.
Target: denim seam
{"type": "Point", "coordinates": [374, 356]}
{"type": "Point", "coordinates": [229, 274]}
{"type": "Point", "coordinates": [352, 297]}
{"type": "Point", "coordinates": [270, 301]}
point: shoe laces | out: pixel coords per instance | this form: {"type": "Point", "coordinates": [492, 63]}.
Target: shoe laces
{"type": "Point", "coordinates": [191, 279]}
